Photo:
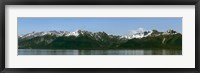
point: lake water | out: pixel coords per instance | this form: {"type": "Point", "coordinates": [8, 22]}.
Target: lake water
{"type": "Point", "coordinates": [97, 52]}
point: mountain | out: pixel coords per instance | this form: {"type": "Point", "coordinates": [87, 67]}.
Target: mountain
{"type": "Point", "coordinates": [56, 33]}
{"type": "Point", "coordinates": [155, 39]}
{"type": "Point", "coordinates": [99, 40]}
{"type": "Point", "coordinates": [161, 41]}
{"type": "Point", "coordinates": [139, 33]}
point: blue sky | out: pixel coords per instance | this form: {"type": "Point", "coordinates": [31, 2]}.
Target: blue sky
{"type": "Point", "coordinates": [116, 26]}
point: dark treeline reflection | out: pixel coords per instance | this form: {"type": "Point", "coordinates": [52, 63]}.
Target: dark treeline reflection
{"type": "Point", "coordinates": [98, 52]}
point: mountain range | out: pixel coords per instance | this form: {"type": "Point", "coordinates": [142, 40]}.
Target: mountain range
{"type": "Point", "coordinates": [80, 39]}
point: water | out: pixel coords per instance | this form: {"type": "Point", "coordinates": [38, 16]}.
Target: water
{"type": "Point", "coordinates": [97, 52]}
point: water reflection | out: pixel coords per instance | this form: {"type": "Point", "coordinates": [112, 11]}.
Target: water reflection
{"type": "Point", "coordinates": [97, 52]}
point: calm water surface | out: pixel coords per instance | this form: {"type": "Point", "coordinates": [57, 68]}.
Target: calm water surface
{"type": "Point", "coordinates": [97, 52]}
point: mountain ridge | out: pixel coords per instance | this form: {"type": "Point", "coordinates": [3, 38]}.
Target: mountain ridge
{"type": "Point", "coordinates": [139, 34]}
{"type": "Point", "coordinates": [100, 40]}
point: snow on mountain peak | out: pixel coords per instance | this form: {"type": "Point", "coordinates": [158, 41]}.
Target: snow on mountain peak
{"type": "Point", "coordinates": [170, 31]}
{"type": "Point", "coordinates": [139, 33]}
{"type": "Point", "coordinates": [75, 33]}
{"type": "Point", "coordinates": [56, 33]}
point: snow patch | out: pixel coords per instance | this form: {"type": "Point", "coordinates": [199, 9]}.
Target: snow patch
{"type": "Point", "coordinates": [139, 33]}
{"type": "Point", "coordinates": [56, 33]}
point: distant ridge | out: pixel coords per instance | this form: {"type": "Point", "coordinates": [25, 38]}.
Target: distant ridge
{"type": "Point", "coordinates": [138, 33]}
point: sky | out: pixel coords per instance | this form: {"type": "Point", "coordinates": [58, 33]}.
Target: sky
{"type": "Point", "coordinates": [115, 26]}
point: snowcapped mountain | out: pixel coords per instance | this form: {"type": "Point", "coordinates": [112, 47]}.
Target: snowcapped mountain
{"type": "Point", "coordinates": [139, 33]}
{"type": "Point", "coordinates": [56, 33]}
{"type": "Point", "coordinates": [99, 40]}
{"type": "Point", "coordinates": [169, 32]}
